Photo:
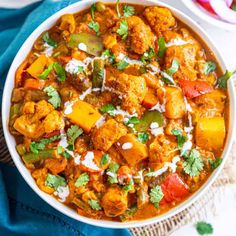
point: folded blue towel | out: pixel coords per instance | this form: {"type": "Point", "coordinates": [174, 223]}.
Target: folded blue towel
{"type": "Point", "coordinates": [22, 212]}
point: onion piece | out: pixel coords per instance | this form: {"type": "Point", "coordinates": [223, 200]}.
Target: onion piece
{"type": "Point", "coordinates": [223, 11]}
{"type": "Point", "coordinates": [203, 1]}
{"type": "Point", "coordinates": [229, 2]}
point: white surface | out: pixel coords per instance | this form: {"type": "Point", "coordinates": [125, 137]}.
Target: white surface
{"type": "Point", "coordinates": [24, 50]}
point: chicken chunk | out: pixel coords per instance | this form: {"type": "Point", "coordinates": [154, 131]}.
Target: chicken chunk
{"type": "Point", "coordinates": [56, 165]}
{"type": "Point", "coordinates": [131, 88]}
{"type": "Point", "coordinates": [105, 136]}
{"type": "Point", "coordinates": [140, 35]}
{"type": "Point", "coordinates": [114, 202]}
{"type": "Point", "coordinates": [161, 150]}
{"type": "Point", "coordinates": [159, 18]}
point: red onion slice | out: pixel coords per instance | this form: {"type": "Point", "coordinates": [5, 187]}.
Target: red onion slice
{"type": "Point", "coordinates": [223, 11]}
{"type": "Point", "coordinates": [229, 2]}
{"type": "Point", "coordinates": [203, 1]}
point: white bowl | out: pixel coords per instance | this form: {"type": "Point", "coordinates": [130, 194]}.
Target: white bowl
{"type": "Point", "coordinates": [9, 85]}
{"type": "Point", "coordinates": [202, 13]}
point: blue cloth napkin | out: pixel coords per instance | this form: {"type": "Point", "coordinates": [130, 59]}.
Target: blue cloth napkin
{"type": "Point", "coordinates": [22, 212]}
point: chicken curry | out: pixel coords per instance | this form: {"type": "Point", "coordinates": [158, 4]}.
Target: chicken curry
{"type": "Point", "coordinates": [120, 111]}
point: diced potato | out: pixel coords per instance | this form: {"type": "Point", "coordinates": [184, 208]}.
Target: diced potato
{"type": "Point", "coordinates": [131, 149]}
{"type": "Point", "coordinates": [105, 136]}
{"type": "Point", "coordinates": [210, 133]}
{"type": "Point", "coordinates": [150, 99]}
{"type": "Point", "coordinates": [37, 67]}
{"type": "Point", "coordinates": [83, 115]}
{"type": "Point", "coordinates": [175, 106]}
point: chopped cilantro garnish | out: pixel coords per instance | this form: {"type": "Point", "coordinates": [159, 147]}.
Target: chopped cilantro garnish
{"type": "Point", "coordinates": [62, 152]}
{"type": "Point", "coordinates": [55, 181]}
{"type": "Point", "coordinates": [123, 29]}
{"type": "Point", "coordinates": [121, 65]}
{"type": "Point", "coordinates": [92, 10]}
{"type": "Point", "coordinates": [128, 10]}
{"type": "Point", "coordinates": [148, 55]}
{"type": "Point", "coordinates": [46, 72]}
{"type": "Point", "coordinates": [222, 80]}
{"type": "Point", "coordinates": [82, 180]}
{"type": "Point", "coordinates": [54, 99]}
{"type": "Point", "coordinates": [105, 159]}
{"type": "Point", "coordinates": [129, 213]}
{"type": "Point", "coordinates": [113, 168]}
{"type": "Point", "coordinates": [41, 144]}
{"type": "Point", "coordinates": [234, 7]}
{"type": "Point", "coordinates": [111, 57]}
{"type": "Point", "coordinates": [129, 186]}
{"type": "Point", "coordinates": [132, 120]}
{"type": "Point", "coordinates": [94, 26]}
{"type": "Point", "coordinates": [79, 69]}
{"type": "Point", "coordinates": [167, 80]}
{"type": "Point", "coordinates": [161, 47]}
{"type": "Point", "coordinates": [193, 163]}
{"type": "Point", "coordinates": [204, 228]}
{"type": "Point", "coordinates": [143, 137]}
{"type": "Point", "coordinates": [46, 38]}
{"type": "Point", "coordinates": [180, 138]}
{"type": "Point", "coordinates": [94, 205]}
{"type": "Point", "coordinates": [156, 195]}
{"type": "Point", "coordinates": [60, 72]}
{"type": "Point", "coordinates": [108, 108]}
{"type": "Point", "coordinates": [209, 67]}
{"type": "Point", "coordinates": [174, 68]}
{"type": "Point", "coordinates": [215, 163]}
{"type": "Point", "coordinates": [73, 133]}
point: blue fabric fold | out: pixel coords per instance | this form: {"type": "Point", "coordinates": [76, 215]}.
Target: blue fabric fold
{"type": "Point", "coordinates": [22, 212]}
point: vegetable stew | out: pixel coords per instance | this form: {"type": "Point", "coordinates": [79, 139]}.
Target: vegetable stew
{"type": "Point", "coordinates": [120, 111]}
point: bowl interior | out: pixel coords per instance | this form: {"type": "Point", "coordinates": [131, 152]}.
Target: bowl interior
{"type": "Point", "coordinates": [9, 85]}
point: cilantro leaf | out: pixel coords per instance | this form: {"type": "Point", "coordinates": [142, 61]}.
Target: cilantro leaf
{"type": "Point", "coordinates": [62, 152]}
{"type": "Point", "coordinates": [204, 228]}
{"type": "Point", "coordinates": [94, 26]}
{"type": "Point", "coordinates": [129, 186]}
{"type": "Point", "coordinates": [121, 65]}
{"type": "Point", "coordinates": [54, 99]}
{"type": "Point", "coordinates": [35, 147]}
{"type": "Point", "coordinates": [73, 133]}
{"type": "Point", "coordinates": [79, 70]}
{"type": "Point", "coordinates": [94, 205]}
{"type": "Point", "coordinates": [156, 195]}
{"type": "Point", "coordinates": [46, 72]}
{"type": "Point", "coordinates": [234, 7]}
{"type": "Point", "coordinates": [193, 164]}
{"type": "Point", "coordinates": [148, 55]}
{"type": "Point", "coordinates": [128, 10]}
{"type": "Point", "coordinates": [161, 47]}
{"type": "Point", "coordinates": [108, 108]}
{"type": "Point", "coordinates": [82, 180]}
{"type": "Point", "coordinates": [105, 159]}
{"type": "Point", "coordinates": [222, 80]}
{"type": "Point", "coordinates": [123, 29]}
{"type": "Point", "coordinates": [174, 67]}
{"type": "Point", "coordinates": [129, 213]}
{"type": "Point", "coordinates": [209, 67]}
{"type": "Point", "coordinates": [60, 71]}
{"type": "Point", "coordinates": [55, 181]}
{"type": "Point", "coordinates": [111, 57]}
{"type": "Point", "coordinates": [143, 137]}
{"type": "Point", "coordinates": [113, 168]}
{"type": "Point", "coordinates": [46, 38]}
{"type": "Point", "coordinates": [92, 10]}
{"type": "Point", "coordinates": [180, 138]}
{"type": "Point", "coordinates": [215, 163]}
{"type": "Point", "coordinates": [132, 120]}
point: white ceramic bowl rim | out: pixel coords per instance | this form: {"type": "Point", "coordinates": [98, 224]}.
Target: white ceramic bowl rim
{"type": "Point", "coordinates": [9, 84]}
{"type": "Point", "coordinates": [205, 16]}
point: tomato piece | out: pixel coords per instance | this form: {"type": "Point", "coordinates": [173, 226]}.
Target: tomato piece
{"type": "Point", "coordinates": [174, 189]}
{"type": "Point", "coordinates": [192, 89]}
